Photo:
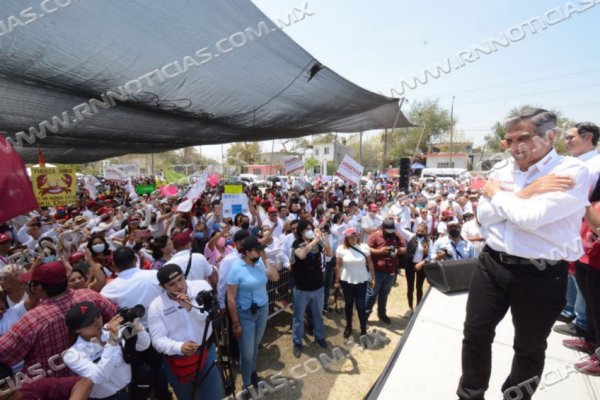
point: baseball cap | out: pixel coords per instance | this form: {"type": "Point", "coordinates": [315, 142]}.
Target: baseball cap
{"type": "Point", "coordinates": [373, 207]}
{"type": "Point", "coordinates": [168, 272]}
{"type": "Point", "coordinates": [81, 315]}
{"type": "Point", "coordinates": [76, 255]}
{"type": "Point", "coordinates": [52, 273]}
{"type": "Point", "coordinates": [181, 239]}
{"type": "Point", "coordinates": [447, 213]}
{"type": "Point", "coordinates": [389, 226]}
{"type": "Point", "coordinates": [60, 208]}
{"type": "Point", "coordinates": [134, 218]}
{"type": "Point", "coordinates": [272, 209]}
{"type": "Point", "coordinates": [349, 231]}
{"type": "Point", "coordinates": [240, 235]}
{"type": "Point", "coordinates": [4, 238]}
{"type": "Point", "coordinates": [257, 200]}
{"type": "Point", "coordinates": [92, 203]}
{"type": "Point", "coordinates": [251, 242]}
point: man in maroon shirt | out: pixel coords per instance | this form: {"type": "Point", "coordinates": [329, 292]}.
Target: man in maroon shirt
{"type": "Point", "coordinates": [40, 336]}
{"type": "Point", "coordinates": [386, 249]}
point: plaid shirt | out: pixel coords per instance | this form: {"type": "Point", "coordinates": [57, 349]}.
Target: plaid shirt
{"type": "Point", "coordinates": [41, 333]}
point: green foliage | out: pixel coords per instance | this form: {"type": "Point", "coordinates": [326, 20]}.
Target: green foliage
{"type": "Point", "coordinates": [310, 164]}
{"type": "Point", "coordinates": [247, 153]}
{"type": "Point", "coordinates": [323, 138]}
{"type": "Point", "coordinates": [371, 150]}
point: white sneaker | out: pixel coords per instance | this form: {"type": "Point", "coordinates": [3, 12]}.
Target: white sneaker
{"type": "Point", "coordinates": [408, 314]}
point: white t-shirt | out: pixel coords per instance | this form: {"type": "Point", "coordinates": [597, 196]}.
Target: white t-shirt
{"type": "Point", "coordinates": [354, 264]}
{"type": "Point", "coordinates": [367, 223]}
{"type": "Point", "coordinates": [471, 229]}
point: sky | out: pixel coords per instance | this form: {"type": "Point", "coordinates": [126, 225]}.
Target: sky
{"type": "Point", "coordinates": [376, 43]}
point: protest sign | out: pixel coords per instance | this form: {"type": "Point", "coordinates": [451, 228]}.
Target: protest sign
{"type": "Point", "coordinates": [234, 204]}
{"type": "Point", "coordinates": [114, 174]}
{"type": "Point", "coordinates": [144, 189]}
{"type": "Point", "coordinates": [292, 164]}
{"type": "Point", "coordinates": [350, 171]}
{"type": "Point", "coordinates": [128, 169]}
{"type": "Point", "coordinates": [233, 189]}
{"type": "Point", "coordinates": [54, 186]}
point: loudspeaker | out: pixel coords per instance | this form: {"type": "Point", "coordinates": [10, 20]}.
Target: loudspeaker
{"type": "Point", "coordinates": [404, 174]}
{"type": "Point", "coordinates": [450, 276]}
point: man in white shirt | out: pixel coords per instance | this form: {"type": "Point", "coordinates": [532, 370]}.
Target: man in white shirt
{"type": "Point", "coordinates": [424, 217]}
{"type": "Point", "coordinates": [131, 287]}
{"type": "Point", "coordinates": [472, 233]}
{"type": "Point", "coordinates": [524, 264]}
{"type": "Point", "coordinates": [199, 266]}
{"type": "Point", "coordinates": [178, 331]}
{"type": "Point", "coordinates": [371, 222]}
{"type": "Point", "coordinates": [273, 220]}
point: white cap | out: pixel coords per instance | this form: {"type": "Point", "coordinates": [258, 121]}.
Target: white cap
{"type": "Point", "coordinates": [97, 230]}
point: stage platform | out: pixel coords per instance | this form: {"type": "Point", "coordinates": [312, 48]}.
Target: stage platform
{"type": "Point", "coordinates": [428, 359]}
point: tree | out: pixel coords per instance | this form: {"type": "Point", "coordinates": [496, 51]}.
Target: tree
{"type": "Point", "coordinates": [295, 145]}
{"type": "Point", "coordinates": [244, 152]}
{"type": "Point", "coordinates": [426, 113]}
{"type": "Point", "coordinates": [310, 164]}
{"type": "Point", "coordinates": [371, 150]}
{"type": "Point", "coordinates": [324, 138]}
{"type": "Point", "coordinates": [499, 130]}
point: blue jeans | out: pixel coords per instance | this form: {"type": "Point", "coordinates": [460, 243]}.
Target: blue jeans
{"type": "Point", "coordinates": [575, 304]}
{"type": "Point", "coordinates": [314, 302]}
{"type": "Point", "coordinates": [211, 386]}
{"type": "Point", "coordinates": [253, 329]}
{"type": "Point", "coordinates": [383, 287]}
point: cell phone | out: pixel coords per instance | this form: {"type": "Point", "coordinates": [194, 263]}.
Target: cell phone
{"type": "Point", "coordinates": [142, 234]}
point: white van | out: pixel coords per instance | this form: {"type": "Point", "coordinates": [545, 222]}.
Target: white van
{"type": "Point", "coordinates": [448, 173]}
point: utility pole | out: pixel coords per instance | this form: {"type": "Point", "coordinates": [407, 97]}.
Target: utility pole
{"type": "Point", "coordinates": [451, 130]}
{"type": "Point", "coordinates": [360, 147]}
{"type": "Point", "coordinates": [272, 155]}
{"type": "Point", "coordinates": [152, 163]}
{"type": "Point", "coordinates": [419, 144]}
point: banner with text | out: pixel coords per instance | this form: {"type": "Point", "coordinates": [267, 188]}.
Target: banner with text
{"type": "Point", "coordinates": [114, 174]}
{"type": "Point", "coordinates": [234, 204]}
{"type": "Point", "coordinates": [293, 164]}
{"type": "Point", "coordinates": [350, 171]}
{"type": "Point", "coordinates": [54, 186]}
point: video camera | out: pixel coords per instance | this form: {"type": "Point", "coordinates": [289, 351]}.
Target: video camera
{"type": "Point", "coordinates": [208, 302]}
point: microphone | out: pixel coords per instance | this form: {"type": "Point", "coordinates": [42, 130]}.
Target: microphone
{"type": "Point", "coordinates": [185, 301]}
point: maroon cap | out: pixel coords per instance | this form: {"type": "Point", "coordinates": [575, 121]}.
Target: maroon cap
{"type": "Point", "coordinates": [52, 273]}
{"type": "Point", "coordinates": [75, 256]}
{"type": "Point", "coordinates": [266, 203]}
{"type": "Point", "coordinates": [181, 239]}
{"type": "Point", "coordinates": [4, 238]}
{"type": "Point", "coordinates": [92, 203]}
{"type": "Point", "coordinates": [447, 213]}
{"type": "Point", "coordinates": [134, 218]}
{"type": "Point", "coordinates": [272, 209]}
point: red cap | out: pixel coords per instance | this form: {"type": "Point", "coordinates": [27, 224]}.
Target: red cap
{"type": "Point", "coordinates": [181, 239]}
{"type": "Point", "coordinates": [272, 209]}
{"type": "Point", "coordinates": [102, 211]}
{"type": "Point", "coordinates": [266, 203]}
{"type": "Point", "coordinates": [257, 200]}
{"type": "Point", "coordinates": [92, 203]}
{"type": "Point", "coordinates": [75, 256]}
{"type": "Point", "coordinates": [108, 201]}
{"type": "Point", "coordinates": [61, 208]}
{"type": "Point", "coordinates": [52, 273]}
{"type": "Point", "coordinates": [134, 218]}
{"type": "Point", "coordinates": [447, 213]}
{"type": "Point", "coordinates": [349, 231]}
{"type": "Point", "coordinates": [4, 238]}
{"type": "Point", "coordinates": [373, 207]}
{"type": "Point", "coordinates": [381, 198]}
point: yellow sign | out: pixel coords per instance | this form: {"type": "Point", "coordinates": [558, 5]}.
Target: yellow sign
{"type": "Point", "coordinates": [233, 189]}
{"type": "Point", "coordinates": [54, 186]}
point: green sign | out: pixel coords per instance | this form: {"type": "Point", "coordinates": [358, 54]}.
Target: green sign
{"type": "Point", "coordinates": [144, 189]}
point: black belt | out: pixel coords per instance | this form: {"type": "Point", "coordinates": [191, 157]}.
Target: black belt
{"type": "Point", "coordinates": [509, 259]}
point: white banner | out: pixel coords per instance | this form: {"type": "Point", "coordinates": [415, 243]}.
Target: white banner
{"type": "Point", "coordinates": [293, 164]}
{"type": "Point", "coordinates": [234, 204]}
{"type": "Point", "coordinates": [350, 171]}
{"type": "Point", "coordinates": [128, 169]}
{"type": "Point", "coordinates": [119, 173]}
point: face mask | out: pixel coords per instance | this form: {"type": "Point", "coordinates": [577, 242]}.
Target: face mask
{"type": "Point", "coordinates": [217, 226]}
{"type": "Point", "coordinates": [288, 232]}
{"type": "Point", "coordinates": [153, 220]}
{"type": "Point", "coordinates": [246, 225]}
{"type": "Point", "coordinates": [254, 259]}
{"type": "Point", "coordinates": [310, 235]}
{"type": "Point", "coordinates": [200, 235]}
{"type": "Point", "coordinates": [454, 233]}
{"type": "Point", "coordinates": [84, 266]}
{"type": "Point", "coordinates": [221, 242]}
{"type": "Point", "coordinates": [420, 235]}
{"type": "Point", "coordinates": [228, 242]}
{"type": "Point", "coordinates": [98, 248]}
{"type": "Point", "coordinates": [49, 259]}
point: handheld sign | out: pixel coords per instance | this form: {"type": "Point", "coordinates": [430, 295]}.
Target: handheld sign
{"type": "Point", "coordinates": [292, 164]}
{"type": "Point", "coordinates": [350, 171]}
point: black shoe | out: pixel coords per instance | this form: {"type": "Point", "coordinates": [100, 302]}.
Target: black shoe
{"type": "Point", "coordinates": [566, 320]}
{"type": "Point", "coordinates": [327, 308]}
{"type": "Point", "coordinates": [385, 319]}
{"type": "Point", "coordinates": [311, 330]}
{"type": "Point", "coordinates": [569, 329]}
{"type": "Point", "coordinates": [260, 346]}
{"type": "Point", "coordinates": [254, 379]}
{"type": "Point", "coordinates": [348, 331]}
{"type": "Point", "coordinates": [297, 350]}
{"type": "Point", "coordinates": [322, 343]}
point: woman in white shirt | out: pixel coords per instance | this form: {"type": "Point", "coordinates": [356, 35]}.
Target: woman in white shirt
{"type": "Point", "coordinates": [95, 352]}
{"type": "Point", "coordinates": [351, 270]}
{"type": "Point", "coordinates": [417, 255]}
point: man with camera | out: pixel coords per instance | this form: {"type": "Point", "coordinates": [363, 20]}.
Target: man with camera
{"type": "Point", "coordinates": [387, 247]}
{"type": "Point", "coordinates": [452, 246]}
{"type": "Point", "coordinates": [133, 287]}
{"type": "Point", "coordinates": [178, 330]}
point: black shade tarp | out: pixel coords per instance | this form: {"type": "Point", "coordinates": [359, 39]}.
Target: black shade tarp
{"type": "Point", "coordinates": [260, 91]}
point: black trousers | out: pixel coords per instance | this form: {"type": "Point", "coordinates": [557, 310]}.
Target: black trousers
{"type": "Point", "coordinates": [159, 381]}
{"type": "Point", "coordinates": [588, 280]}
{"type": "Point", "coordinates": [410, 282]}
{"type": "Point", "coordinates": [536, 297]}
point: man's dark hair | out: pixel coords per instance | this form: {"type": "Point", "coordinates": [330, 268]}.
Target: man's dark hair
{"type": "Point", "coordinates": [466, 216]}
{"type": "Point", "coordinates": [54, 289]}
{"type": "Point", "coordinates": [588, 127]}
{"type": "Point", "coordinates": [352, 204]}
{"type": "Point", "coordinates": [542, 120]}
{"type": "Point", "coordinates": [294, 222]}
{"type": "Point", "coordinates": [124, 258]}
{"type": "Point", "coordinates": [302, 225]}
{"type": "Point", "coordinates": [281, 207]}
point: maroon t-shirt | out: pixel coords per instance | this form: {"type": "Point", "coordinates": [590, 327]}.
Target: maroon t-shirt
{"type": "Point", "coordinates": [383, 263]}
{"type": "Point", "coordinates": [49, 388]}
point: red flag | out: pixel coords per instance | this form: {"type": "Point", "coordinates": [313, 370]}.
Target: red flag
{"type": "Point", "coordinates": [16, 196]}
{"type": "Point", "coordinates": [41, 160]}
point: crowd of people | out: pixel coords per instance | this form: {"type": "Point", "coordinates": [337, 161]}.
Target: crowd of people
{"type": "Point", "coordinates": [109, 285]}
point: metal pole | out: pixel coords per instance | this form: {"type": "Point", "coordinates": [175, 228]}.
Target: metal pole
{"type": "Point", "coordinates": [222, 159]}
{"type": "Point", "coordinates": [272, 151]}
{"type": "Point", "coordinates": [419, 144]}
{"type": "Point", "coordinates": [152, 163]}
{"type": "Point", "coordinates": [451, 130]}
{"type": "Point", "coordinates": [360, 148]}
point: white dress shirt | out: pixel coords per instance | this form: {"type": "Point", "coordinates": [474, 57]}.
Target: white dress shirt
{"type": "Point", "coordinates": [172, 325]}
{"type": "Point", "coordinates": [430, 224]}
{"type": "Point", "coordinates": [200, 268]}
{"type": "Point", "coordinates": [224, 268]}
{"type": "Point", "coordinates": [591, 159]}
{"type": "Point", "coordinates": [110, 374]}
{"type": "Point", "coordinates": [131, 287]}
{"type": "Point", "coordinates": [471, 229]}
{"type": "Point", "coordinates": [545, 226]}
{"type": "Point", "coordinates": [278, 231]}
{"type": "Point", "coordinates": [367, 223]}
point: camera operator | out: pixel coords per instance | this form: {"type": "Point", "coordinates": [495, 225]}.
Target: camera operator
{"type": "Point", "coordinates": [95, 351]}
{"type": "Point", "coordinates": [386, 247]}
{"type": "Point", "coordinates": [177, 330]}
{"type": "Point", "coordinates": [134, 286]}
{"type": "Point", "coordinates": [453, 246]}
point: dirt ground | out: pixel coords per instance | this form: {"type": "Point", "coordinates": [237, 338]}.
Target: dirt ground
{"type": "Point", "coordinates": [349, 379]}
